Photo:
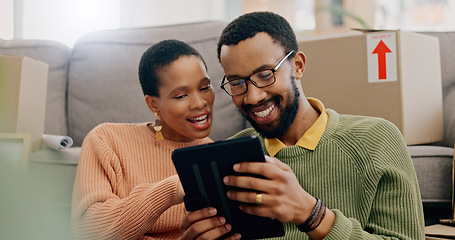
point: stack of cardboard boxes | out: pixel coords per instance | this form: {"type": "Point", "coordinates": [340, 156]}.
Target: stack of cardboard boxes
{"type": "Point", "coordinates": [23, 88]}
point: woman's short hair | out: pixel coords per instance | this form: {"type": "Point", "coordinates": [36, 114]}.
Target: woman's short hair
{"type": "Point", "coordinates": [158, 57]}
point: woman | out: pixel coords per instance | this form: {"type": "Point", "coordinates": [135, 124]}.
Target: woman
{"type": "Point", "coordinates": [126, 186]}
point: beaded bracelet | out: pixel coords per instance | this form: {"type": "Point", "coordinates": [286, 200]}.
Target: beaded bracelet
{"type": "Point", "coordinates": [315, 217]}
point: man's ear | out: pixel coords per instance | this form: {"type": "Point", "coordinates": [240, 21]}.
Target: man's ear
{"type": "Point", "coordinates": [299, 64]}
{"type": "Point", "coordinates": [152, 103]}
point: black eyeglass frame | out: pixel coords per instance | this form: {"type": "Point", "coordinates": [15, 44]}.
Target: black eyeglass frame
{"type": "Point", "coordinates": [277, 66]}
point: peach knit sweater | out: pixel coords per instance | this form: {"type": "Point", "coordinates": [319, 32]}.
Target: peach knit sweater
{"type": "Point", "coordinates": [125, 186]}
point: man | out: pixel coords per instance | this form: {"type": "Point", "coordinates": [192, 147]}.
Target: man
{"type": "Point", "coordinates": [330, 176]}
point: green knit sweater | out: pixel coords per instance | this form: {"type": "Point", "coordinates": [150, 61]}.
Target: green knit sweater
{"type": "Point", "coordinates": [362, 171]}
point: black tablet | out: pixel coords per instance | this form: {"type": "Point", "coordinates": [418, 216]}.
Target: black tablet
{"type": "Point", "coordinates": [201, 170]}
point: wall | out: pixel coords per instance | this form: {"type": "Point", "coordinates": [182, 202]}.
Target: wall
{"type": "Point", "coordinates": [6, 22]}
{"type": "Point", "coordinates": [139, 13]}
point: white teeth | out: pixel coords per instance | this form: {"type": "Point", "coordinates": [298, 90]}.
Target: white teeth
{"type": "Point", "coordinates": [201, 119]}
{"type": "Point", "coordinates": [264, 113]}
{"type": "Point", "coordinates": [202, 122]}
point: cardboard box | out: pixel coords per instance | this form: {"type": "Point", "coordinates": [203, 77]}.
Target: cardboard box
{"type": "Point", "coordinates": [23, 88]}
{"type": "Point", "coordinates": [395, 75]}
{"type": "Point", "coordinates": [439, 231]}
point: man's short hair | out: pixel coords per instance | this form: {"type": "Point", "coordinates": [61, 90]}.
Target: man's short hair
{"type": "Point", "coordinates": [248, 25]}
{"type": "Point", "coordinates": [158, 57]}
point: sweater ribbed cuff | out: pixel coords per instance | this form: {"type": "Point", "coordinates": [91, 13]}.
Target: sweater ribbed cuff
{"type": "Point", "coordinates": [342, 227]}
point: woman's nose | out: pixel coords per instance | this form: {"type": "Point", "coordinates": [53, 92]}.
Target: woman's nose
{"type": "Point", "coordinates": [199, 101]}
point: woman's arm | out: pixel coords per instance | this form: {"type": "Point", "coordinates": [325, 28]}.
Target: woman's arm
{"type": "Point", "coordinates": [98, 210]}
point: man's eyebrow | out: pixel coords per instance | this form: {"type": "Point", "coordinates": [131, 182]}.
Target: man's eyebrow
{"type": "Point", "coordinates": [261, 68]}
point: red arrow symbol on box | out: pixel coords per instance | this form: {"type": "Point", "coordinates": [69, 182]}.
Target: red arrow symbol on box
{"type": "Point", "coordinates": [381, 50]}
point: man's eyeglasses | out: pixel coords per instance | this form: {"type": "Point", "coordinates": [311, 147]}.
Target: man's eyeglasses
{"type": "Point", "coordinates": [261, 79]}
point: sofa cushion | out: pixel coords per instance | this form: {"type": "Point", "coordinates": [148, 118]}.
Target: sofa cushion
{"type": "Point", "coordinates": [104, 84]}
{"type": "Point", "coordinates": [447, 51]}
{"type": "Point", "coordinates": [433, 165]}
{"type": "Point", "coordinates": [57, 56]}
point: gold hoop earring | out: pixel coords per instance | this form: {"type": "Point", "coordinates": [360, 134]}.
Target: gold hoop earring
{"type": "Point", "coordinates": [157, 127]}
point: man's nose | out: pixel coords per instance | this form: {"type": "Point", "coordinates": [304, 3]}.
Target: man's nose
{"type": "Point", "coordinates": [254, 94]}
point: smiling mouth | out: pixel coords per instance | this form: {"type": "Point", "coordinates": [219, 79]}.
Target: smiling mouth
{"type": "Point", "coordinates": [265, 112]}
{"type": "Point", "coordinates": [199, 120]}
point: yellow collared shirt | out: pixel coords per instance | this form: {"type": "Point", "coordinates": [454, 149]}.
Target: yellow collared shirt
{"type": "Point", "coordinates": [310, 138]}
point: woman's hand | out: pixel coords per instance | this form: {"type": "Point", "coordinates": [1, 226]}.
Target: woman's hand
{"type": "Point", "coordinates": [204, 224]}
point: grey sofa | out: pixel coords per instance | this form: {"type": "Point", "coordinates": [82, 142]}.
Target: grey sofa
{"type": "Point", "coordinates": [96, 81]}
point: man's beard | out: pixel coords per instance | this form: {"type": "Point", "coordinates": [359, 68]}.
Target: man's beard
{"type": "Point", "coordinates": [289, 111]}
